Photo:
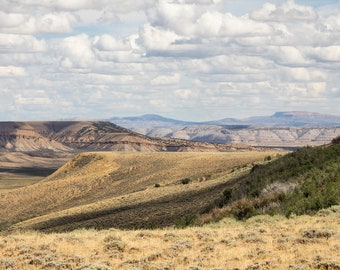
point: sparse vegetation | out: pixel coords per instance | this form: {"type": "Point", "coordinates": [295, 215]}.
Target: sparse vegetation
{"type": "Point", "coordinates": [109, 189]}
{"type": "Point", "coordinates": [262, 242]}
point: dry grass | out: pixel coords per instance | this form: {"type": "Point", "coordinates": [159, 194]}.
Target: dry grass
{"type": "Point", "coordinates": [12, 181]}
{"type": "Point", "coordinates": [262, 242]}
{"type": "Point", "coordinates": [98, 184]}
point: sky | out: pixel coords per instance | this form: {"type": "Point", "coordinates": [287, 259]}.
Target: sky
{"type": "Point", "coordinates": [189, 60]}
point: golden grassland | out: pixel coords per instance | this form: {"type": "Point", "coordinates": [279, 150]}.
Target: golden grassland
{"type": "Point", "coordinates": [93, 186]}
{"type": "Point", "coordinates": [262, 242]}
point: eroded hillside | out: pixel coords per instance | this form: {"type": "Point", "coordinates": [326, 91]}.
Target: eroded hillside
{"type": "Point", "coordinates": [42, 138]}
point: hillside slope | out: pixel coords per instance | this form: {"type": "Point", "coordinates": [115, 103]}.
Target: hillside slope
{"type": "Point", "coordinates": [301, 182]}
{"type": "Point", "coordinates": [124, 189]}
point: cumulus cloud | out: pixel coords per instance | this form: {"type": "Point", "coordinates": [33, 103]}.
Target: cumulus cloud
{"type": "Point", "coordinates": [288, 56]}
{"type": "Point", "coordinates": [11, 19]}
{"type": "Point", "coordinates": [329, 53]}
{"type": "Point", "coordinates": [76, 52]}
{"type": "Point", "coordinates": [287, 11]}
{"type": "Point", "coordinates": [180, 57]}
{"type": "Point", "coordinates": [50, 23]}
{"type": "Point", "coordinates": [109, 43]}
{"type": "Point", "coordinates": [10, 43]}
{"type": "Point", "coordinates": [154, 38]}
{"type": "Point", "coordinates": [11, 71]}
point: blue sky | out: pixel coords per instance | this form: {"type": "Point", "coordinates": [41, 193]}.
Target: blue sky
{"type": "Point", "coordinates": [185, 59]}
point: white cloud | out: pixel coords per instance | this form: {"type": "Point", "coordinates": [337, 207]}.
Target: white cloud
{"type": "Point", "coordinates": [76, 5]}
{"type": "Point", "coordinates": [21, 100]}
{"type": "Point", "coordinates": [110, 79]}
{"type": "Point", "coordinates": [55, 23]}
{"type": "Point", "coordinates": [153, 38]}
{"type": "Point", "coordinates": [329, 53]}
{"type": "Point", "coordinates": [110, 43]}
{"type": "Point", "coordinates": [187, 59]}
{"type": "Point", "coordinates": [288, 55]}
{"type": "Point", "coordinates": [184, 93]}
{"type": "Point", "coordinates": [239, 26]}
{"type": "Point", "coordinates": [51, 23]}
{"type": "Point", "coordinates": [296, 74]}
{"type": "Point", "coordinates": [165, 79]}
{"type": "Point", "coordinates": [287, 11]}
{"type": "Point", "coordinates": [12, 71]}
{"type": "Point", "coordinates": [176, 17]}
{"type": "Point", "coordinates": [332, 23]}
{"type": "Point", "coordinates": [11, 19]}
{"type": "Point", "coordinates": [10, 43]}
{"type": "Point", "coordinates": [77, 52]}
{"type": "Point", "coordinates": [316, 89]}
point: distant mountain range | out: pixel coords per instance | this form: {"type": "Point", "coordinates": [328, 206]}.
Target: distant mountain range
{"type": "Point", "coordinates": [282, 129]}
{"type": "Point", "coordinates": [292, 119]}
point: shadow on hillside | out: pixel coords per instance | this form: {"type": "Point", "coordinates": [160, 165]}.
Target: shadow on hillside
{"type": "Point", "coordinates": [43, 172]}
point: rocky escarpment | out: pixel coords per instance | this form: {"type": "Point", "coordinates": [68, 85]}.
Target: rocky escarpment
{"type": "Point", "coordinates": [259, 136]}
{"type": "Point", "coordinates": [92, 136]}
{"type": "Point", "coordinates": [22, 137]}
{"type": "Point", "coordinates": [288, 129]}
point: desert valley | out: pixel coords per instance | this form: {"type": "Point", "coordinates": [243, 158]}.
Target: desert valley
{"type": "Point", "coordinates": [96, 195]}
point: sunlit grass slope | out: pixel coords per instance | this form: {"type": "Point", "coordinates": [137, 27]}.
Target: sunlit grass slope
{"type": "Point", "coordinates": [125, 189]}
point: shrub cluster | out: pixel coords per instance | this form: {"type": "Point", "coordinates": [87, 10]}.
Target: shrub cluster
{"type": "Point", "coordinates": [314, 171]}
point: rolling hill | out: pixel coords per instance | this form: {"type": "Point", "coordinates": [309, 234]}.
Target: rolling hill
{"type": "Point", "coordinates": [158, 189]}
{"type": "Point", "coordinates": [48, 145]}
{"type": "Point", "coordinates": [145, 190]}
{"type": "Point", "coordinates": [124, 190]}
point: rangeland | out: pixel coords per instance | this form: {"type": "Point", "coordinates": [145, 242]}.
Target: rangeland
{"type": "Point", "coordinates": [74, 218]}
{"type": "Point", "coordinates": [262, 242]}
{"type": "Point", "coordinates": [125, 190]}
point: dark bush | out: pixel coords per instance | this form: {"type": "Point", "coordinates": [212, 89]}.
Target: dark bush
{"type": "Point", "coordinates": [185, 181]}
{"type": "Point", "coordinates": [336, 140]}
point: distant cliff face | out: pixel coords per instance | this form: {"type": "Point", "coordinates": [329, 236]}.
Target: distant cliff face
{"type": "Point", "coordinates": [260, 136]}
{"type": "Point", "coordinates": [68, 137]}
{"type": "Point", "coordinates": [282, 129]}
{"type": "Point", "coordinates": [22, 137]}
